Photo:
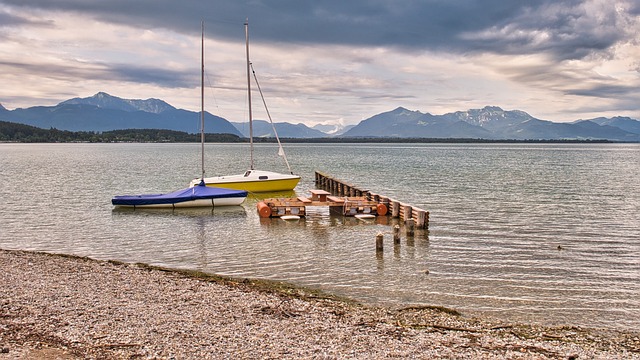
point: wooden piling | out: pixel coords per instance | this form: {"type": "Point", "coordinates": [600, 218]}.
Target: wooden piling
{"type": "Point", "coordinates": [395, 209]}
{"type": "Point", "coordinates": [407, 213]}
{"type": "Point", "coordinates": [379, 242]}
{"type": "Point", "coordinates": [396, 234]}
{"type": "Point", "coordinates": [410, 228]}
{"type": "Point", "coordinates": [422, 219]}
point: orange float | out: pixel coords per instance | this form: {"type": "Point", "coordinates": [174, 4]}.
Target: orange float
{"type": "Point", "coordinates": [382, 209]}
{"type": "Point", "coordinates": [264, 210]}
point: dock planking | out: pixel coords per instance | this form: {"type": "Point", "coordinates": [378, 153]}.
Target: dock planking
{"type": "Point", "coordinates": [346, 206]}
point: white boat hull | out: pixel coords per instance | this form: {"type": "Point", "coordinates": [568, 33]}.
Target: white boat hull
{"type": "Point", "coordinates": [193, 203]}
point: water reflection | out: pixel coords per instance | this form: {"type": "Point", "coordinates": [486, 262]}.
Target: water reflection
{"type": "Point", "coordinates": [255, 197]}
{"type": "Point", "coordinates": [196, 212]}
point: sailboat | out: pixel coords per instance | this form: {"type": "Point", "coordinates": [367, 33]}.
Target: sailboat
{"type": "Point", "coordinates": [254, 180]}
{"type": "Point", "coordinates": [199, 195]}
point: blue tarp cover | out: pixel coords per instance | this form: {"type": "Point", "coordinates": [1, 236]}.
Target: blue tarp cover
{"type": "Point", "coordinates": [194, 193]}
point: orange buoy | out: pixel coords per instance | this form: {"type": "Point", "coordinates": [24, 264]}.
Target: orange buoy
{"type": "Point", "coordinates": [264, 210]}
{"type": "Point", "coordinates": [382, 209]}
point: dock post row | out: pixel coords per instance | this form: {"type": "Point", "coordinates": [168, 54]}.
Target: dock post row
{"type": "Point", "coordinates": [397, 209]}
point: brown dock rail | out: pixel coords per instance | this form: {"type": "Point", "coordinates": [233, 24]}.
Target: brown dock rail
{"type": "Point", "coordinates": [396, 208]}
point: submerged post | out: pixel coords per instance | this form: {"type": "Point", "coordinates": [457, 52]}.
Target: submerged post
{"type": "Point", "coordinates": [396, 234]}
{"type": "Point", "coordinates": [379, 242]}
{"type": "Point", "coordinates": [410, 227]}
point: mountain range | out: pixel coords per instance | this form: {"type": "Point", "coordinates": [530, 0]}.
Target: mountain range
{"type": "Point", "coordinates": [104, 112]}
{"type": "Point", "coordinates": [492, 122]}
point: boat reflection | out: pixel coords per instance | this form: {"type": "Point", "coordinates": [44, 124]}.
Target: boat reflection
{"type": "Point", "coordinates": [184, 212]}
{"type": "Point", "coordinates": [255, 197]}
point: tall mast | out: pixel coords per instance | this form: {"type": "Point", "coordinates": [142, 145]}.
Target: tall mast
{"type": "Point", "coordinates": [202, 100]}
{"type": "Point", "coordinates": [246, 34]}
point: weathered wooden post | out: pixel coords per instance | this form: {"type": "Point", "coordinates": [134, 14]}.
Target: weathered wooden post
{"type": "Point", "coordinates": [422, 218]}
{"type": "Point", "coordinates": [379, 242]}
{"type": "Point", "coordinates": [396, 234]}
{"type": "Point", "coordinates": [410, 227]}
{"type": "Point", "coordinates": [395, 209]}
{"type": "Point", "coordinates": [426, 221]}
{"type": "Point", "coordinates": [408, 213]}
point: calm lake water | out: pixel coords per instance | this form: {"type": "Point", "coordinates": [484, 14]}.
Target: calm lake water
{"type": "Point", "coordinates": [546, 233]}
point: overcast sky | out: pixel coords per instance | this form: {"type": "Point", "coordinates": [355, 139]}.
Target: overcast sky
{"type": "Point", "coordinates": [329, 61]}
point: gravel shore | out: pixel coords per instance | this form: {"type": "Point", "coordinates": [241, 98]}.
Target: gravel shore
{"type": "Point", "coordinates": [65, 307]}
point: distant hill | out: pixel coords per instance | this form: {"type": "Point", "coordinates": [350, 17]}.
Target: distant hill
{"type": "Point", "coordinates": [106, 101]}
{"type": "Point", "coordinates": [624, 123]}
{"type": "Point", "coordinates": [103, 112]}
{"type": "Point", "coordinates": [262, 128]}
{"type": "Point", "coordinates": [333, 130]}
{"type": "Point", "coordinates": [490, 122]}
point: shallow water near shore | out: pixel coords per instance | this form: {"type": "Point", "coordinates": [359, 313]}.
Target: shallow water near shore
{"type": "Point", "coordinates": [547, 233]}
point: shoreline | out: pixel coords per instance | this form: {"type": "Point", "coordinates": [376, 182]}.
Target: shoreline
{"type": "Point", "coordinates": [69, 307]}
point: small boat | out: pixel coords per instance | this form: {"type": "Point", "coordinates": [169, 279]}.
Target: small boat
{"type": "Point", "coordinates": [199, 195]}
{"type": "Point", "coordinates": [255, 181]}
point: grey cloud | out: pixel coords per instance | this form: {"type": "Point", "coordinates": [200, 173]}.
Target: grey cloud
{"type": "Point", "coordinates": [566, 30]}
{"type": "Point", "coordinates": [107, 72]}
{"type": "Point", "coordinates": [152, 75]}
{"type": "Point", "coordinates": [8, 20]}
{"type": "Point", "coordinates": [605, 90]}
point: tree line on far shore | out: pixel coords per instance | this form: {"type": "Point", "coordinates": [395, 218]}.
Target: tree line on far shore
{"type": "Point", "coordinates": [13, 132]}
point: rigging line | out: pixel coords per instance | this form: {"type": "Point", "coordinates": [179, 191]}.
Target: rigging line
{"type": "Point", "coordinates": [212, 90]}
{"type": "Point", "coordinates": [280, 149]}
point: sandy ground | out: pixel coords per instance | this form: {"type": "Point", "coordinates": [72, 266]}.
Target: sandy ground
{"type": "Point", "coordinates": [64, 307]}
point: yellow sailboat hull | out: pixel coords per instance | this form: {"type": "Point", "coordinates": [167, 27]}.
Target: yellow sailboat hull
{"type": "Point", "coordinates": [260, 186]}
{"type": "Point", "coordinates": [254, 181]}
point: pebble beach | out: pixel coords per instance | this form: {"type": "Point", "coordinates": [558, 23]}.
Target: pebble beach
{"type": "Point", "coordinates": [67, 307]}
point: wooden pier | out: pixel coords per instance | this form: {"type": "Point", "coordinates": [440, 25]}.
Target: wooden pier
{"type": "Point", "coordinates": [346, 200]}
{"type": "Point", "coordinates": [346, 206]}
{"type": "Point", "coordinates": [397, 209]}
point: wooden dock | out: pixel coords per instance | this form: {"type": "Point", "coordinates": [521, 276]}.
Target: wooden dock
{"type": "Point", "coordinates": [346, 200]}
{"type": "Point", "coordinates": [397, 209]}
{"type": "Point", "coordinates": [345, 205]}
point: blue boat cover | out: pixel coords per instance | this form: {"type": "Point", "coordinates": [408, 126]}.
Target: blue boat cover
{"type": "Point", "coordinates": [200, 191]}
